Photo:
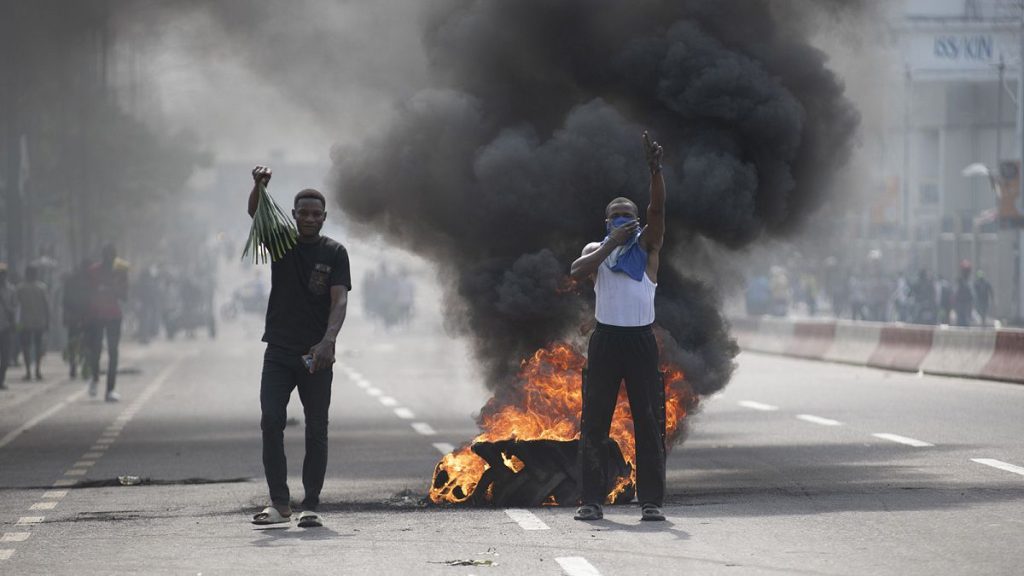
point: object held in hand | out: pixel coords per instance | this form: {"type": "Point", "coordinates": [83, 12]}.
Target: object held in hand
{"type": "Point", "coordinates": [272, 233]}
{"type": "Point", "coordinates": [307, 361]}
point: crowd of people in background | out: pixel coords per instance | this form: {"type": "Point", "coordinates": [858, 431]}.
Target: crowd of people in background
{"type": "Point", "coordinates": [868, 293]}
{"type": "Point", "coordinates": [95, 303]}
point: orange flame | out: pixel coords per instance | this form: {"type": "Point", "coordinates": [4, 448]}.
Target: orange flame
{"type": "Point", "coordinates": [548, 407]}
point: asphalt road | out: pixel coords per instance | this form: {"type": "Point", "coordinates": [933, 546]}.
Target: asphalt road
{"type": "Point", "coordinates": [783, 473]}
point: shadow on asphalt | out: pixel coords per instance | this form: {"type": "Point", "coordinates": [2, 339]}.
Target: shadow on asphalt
{"type": "Point", "coordinates": [274, 534]}
{"type": "Point", "coordinates": [666, 527]}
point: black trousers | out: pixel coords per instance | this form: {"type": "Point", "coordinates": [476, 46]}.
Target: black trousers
{"type": "Point", "coordinates": [94, 333]}
{"type": "Point", "coordinates": [32, 349]}
{"type": "Point", "coordinates": [283, 371]}
{"type": "Point", "coordinates": [616, 354]}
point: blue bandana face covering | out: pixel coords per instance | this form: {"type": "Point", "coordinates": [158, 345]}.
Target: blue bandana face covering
{"type": "Point", "coordinates": [629, 258]}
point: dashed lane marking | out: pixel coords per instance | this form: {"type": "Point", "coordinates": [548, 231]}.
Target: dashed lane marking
{"type": "Point", "coordinates": [92, 455]}
{"type": "Point", "coordinates": [83, 464]}
{"type": "Point", "coordinates": [77, 472]}
{"type": "Point", "coordinates": [404, 413]}
{"type": "Point", "coordinates": [902, 440]}
{"type": "Point", "coordinates": [55, 494]}
{"type": "Point", "coordinates": [423, 428]}
{"type": "Point", "coordinates": [29, 520]}
{"type": "Point", "coordinates": [387, 401]}
{"type": "Point", "coordinates": [444, 447]}
{"type": "Point", "coordinates": [577, 566]}
{"type": "Point", "coordinates": [818, 420]}
{"type": "Point", "coordinates": [757, 406]}
{"type": "Point", "coordinates": [15, 536]}
{"type": "Point", "coordinates": [43, 506]}
{"type": "Point", "coordinates": [7, 439]}
{"type": "Point", "coordinates": [374, 391]}
{"type": "Point", "coordinates": [5, 554]}
{"type": "Point", "coordinates": [1000, 465]}
{"type": "Point", "coordinates": [527, 520]}
{"type": "Point", "coordinates": [64, 482]}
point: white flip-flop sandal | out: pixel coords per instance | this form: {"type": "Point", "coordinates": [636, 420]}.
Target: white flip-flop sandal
{"type": "Point", "coordinates": [270, 515]}
{"type": "Point", "coordinates": [310, 519]}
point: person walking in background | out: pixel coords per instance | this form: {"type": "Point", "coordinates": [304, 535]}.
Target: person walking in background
{"type": "Point", "coordinates": [75, 307]}
{"type": "Point", "coordinates": [983, 296]}
{"type": "Point", "coordinates": [858, 299]}
{"type": "Point", "coordinates": [108, 287]}
{"type": "Point", "coordinates": [34, 320]}
{"type": "Point", "coordinates": [964, 296]}
{"type": "Point", "coordinates": [945, 294]}
{"type": "Point", "coordinates": [923, 293]}
{"type": "Point", "coordinates": [8, 316]}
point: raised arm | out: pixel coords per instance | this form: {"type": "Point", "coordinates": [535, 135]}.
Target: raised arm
{"type": "Point", "coordinates": [258, 173]}
{"type": "Point", "coordinates": [653, 234]}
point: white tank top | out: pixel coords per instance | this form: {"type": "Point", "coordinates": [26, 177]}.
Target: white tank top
{"type": "Point", "coordinates": [622, 301]}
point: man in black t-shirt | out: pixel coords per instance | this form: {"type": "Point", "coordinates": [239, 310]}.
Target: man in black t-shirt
{"type": "Point", "coordinates": [309, 289]}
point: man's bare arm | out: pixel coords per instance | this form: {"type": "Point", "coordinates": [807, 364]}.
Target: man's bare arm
{"type": "Point", "coordinates": [323, 353]}
{"type": "Point", "coordinates": [596, 252]}
{"type": "Point", "coordinates": [654, 233]}
{"type": "Point", "coordinates": [258, 173]}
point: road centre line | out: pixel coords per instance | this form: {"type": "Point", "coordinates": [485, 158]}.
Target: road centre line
{"type": "Point", "coordinates": [527, 520]}
{"type": "Point", "coordinates": [404, 413]}
{"type": "Point", "coordinates": [902, 440]}
{"type": "Point", "coordinates": [29, 520]}
{"type": "Point", "coordinates": [423, 428]}
{"type": "Point", "coordinates": [7, 439]}
{"type": "Point", "coordinates": [77, 472]}
{"type": "Point", "coordinates": [374, 391]}
{"type": "Point", "coordinates": [387, 401]}
{"type": "Point", "coordinates": [55, 494]}
{"type": "Point", "coordinates": [444, 447]}
{"type": "Point", "coordinates": [43, 506]}
{"type": "Point", "coordinates": [1000, 465]}
{"type": "Point", "coordinates": [577, 566]}
{"type": "Point", "coordinates": [14, 536]}
{"type": "Point", "coordinates": [818, 420]}
{"type": "Point", "coordinates": [83, 464]}
{"type": "Point", "coordinates": [64, 482]}
{"type": "Point", "coordinates": [757, 406]}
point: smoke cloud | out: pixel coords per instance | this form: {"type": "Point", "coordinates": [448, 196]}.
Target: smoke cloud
{"type": "Point", "coordinates": [501, 168]}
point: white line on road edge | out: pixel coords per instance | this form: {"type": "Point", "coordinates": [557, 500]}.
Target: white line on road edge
{"type": "Point", "coordinates": [999, 464]}
{"type": "Point", "coordinates": [15, 536]}
{"type": "Point", "coordinates": [387, 401]}
{"type": "Point", "coordinates": [404, 413]}
{"type": "Point", "coordinates": [527, 520]}
{"type": "Point", "coordinates": [577, 566]}
{"type": "Point", "coordinates": [754, 406]}
{"type": "Point", "coordinates": [818, 420]}
{"type": "Point", "coordinates": [902, 440]}
{"type": "Point", "coordinates": [423, 428]}
{"type": "Point", "coordinates": [444, 447]}
{"type": "Point", "coordinates": [39, 418]}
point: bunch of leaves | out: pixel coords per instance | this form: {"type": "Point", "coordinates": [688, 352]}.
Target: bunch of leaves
{"type": "Point", "coordinates": [272, 234]}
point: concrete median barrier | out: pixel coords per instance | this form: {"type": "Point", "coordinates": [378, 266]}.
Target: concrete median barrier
{"type": "Point", "coordinates": [959, 351]}
{"type": "Point", "coordinates": [1007, 362]}
{"type": "Point", "coordinates": [902, 347]}
{"type": "Point", "coordinates": [854, 342]}
{"type": "Point", "coordinates": [811, 339]}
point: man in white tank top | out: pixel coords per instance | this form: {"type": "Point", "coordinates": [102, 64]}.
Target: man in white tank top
{"type": "Point", "coordinates": [624, 267]}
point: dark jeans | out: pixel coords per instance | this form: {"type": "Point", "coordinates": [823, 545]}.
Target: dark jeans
{"type": "Point", "coordinates": [5, 353]}
{"type": "Point", "coordinates": [95, 333]}
{"type": "Point", "coordinates": [283, 371]}
{"type": "Point", "coordinates": [616, 354]}
{"type": "Point", "coordinates": [32, 349]}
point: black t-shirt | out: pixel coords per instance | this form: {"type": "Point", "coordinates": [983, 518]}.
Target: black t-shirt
{"type": "Point", "coordinates": [300, 293]}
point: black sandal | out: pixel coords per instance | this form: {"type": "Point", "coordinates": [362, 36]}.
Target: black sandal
{"type": "Point", "coordinates": [651, 512]}
{"type": "Point", "coordinates": [588, 512]}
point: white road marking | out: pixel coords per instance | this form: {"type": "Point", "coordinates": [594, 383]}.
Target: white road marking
{"type": "Point", "coordinates": [55, 494]}
{"type": "Point", "coordinates": [423, 428]}
{"type": "Point", "coordinates": [388, 401]}
{"type": "Point", "coordinates": [15, 536]}
{"type": "Point", "coordinates": [362, 384]}
{"type": "Point", "coordinates": [83, 464]}
{"type": "Point", "coordinates": [444, 447]}
{"type": "Point", "coordinates": [98, 447]}
{"type": "Point", "coordinates": [902, 439]}
{"type": "Point", "coordinates": [755, 406]}
{"type": "Point", "coordinates": [29, 520]}
{"type": "Point", "coordinates": [110, 433]}
{"type": "Point", "coordinates": [374, 391]}
{"type": "Point", "coordinates": [999, 464]}
{"type": "Point", "coordinates": [76, 472]}
{"type": "Point", "coordinates": [92, 455]}
{"type": "Point", "coordinates": [43, 506]}
{"type": "Point", "coordinates": [577, 566]}
{"type": "Point", "coordinates": [106, 440]}
{"type": "Point", "coordinates": [818, 420]}
{"type": "Point", "coordinates": [6, 554]}
{"type": "Point", "coordinates": [64, 482]}
{"type": "Point", "coordinates": [404, 413]}
{"type": "Point", "coordinates": [7, 439]}
{"type": "Point", "coordinates": [527, 520]}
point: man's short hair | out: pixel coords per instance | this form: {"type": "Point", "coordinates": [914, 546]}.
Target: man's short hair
{"type": "Point", "coordinates": [621, 200]}
{"type": "Point", "coordinates": [310, 193]}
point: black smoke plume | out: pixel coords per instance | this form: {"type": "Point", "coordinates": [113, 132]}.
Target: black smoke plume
{"type": "Point", "coordinates": [500, 171]}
